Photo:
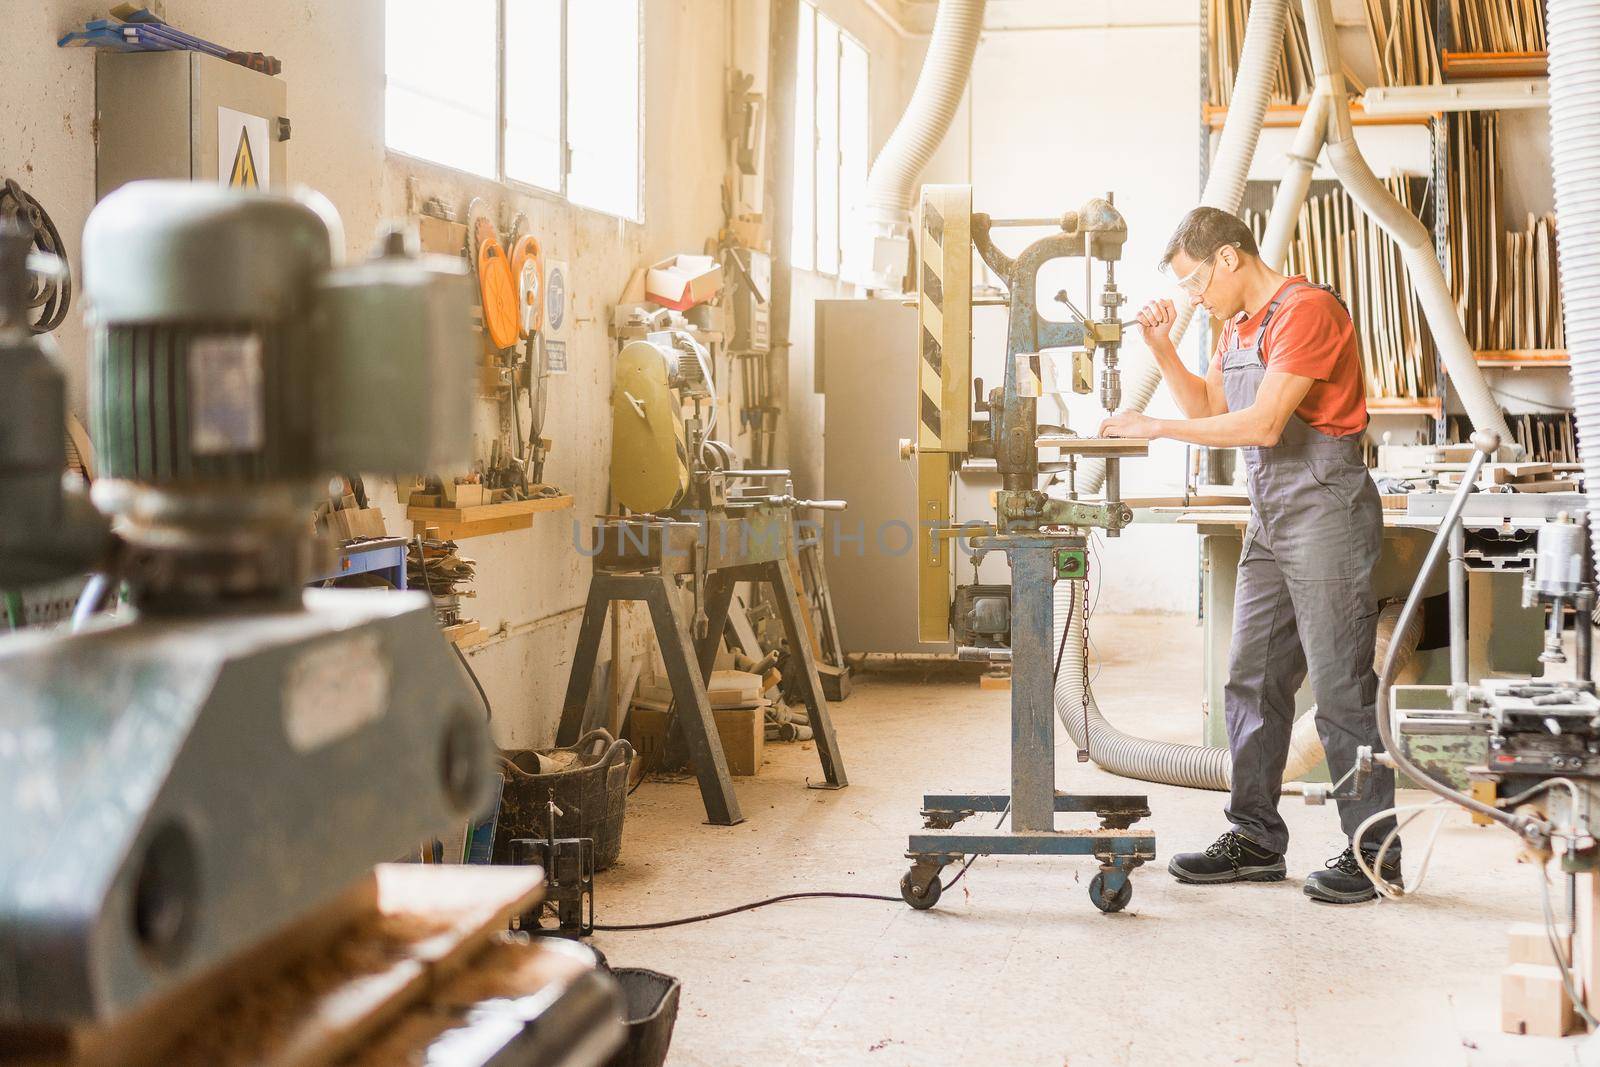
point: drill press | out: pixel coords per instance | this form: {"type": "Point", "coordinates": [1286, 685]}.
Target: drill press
{"type": "Point", "coordinates": [1044, 537]}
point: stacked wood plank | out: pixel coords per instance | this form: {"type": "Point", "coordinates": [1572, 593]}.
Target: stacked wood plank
{"type": "Point", "coordinates": [1506, 285]}
{"type": "Point", "coordinates": [1517, 477]}
{"type": "Point", "coordinates": [1528, 290]}
{"type": "Point", "coordinates": [1337, 244]}
{"type": "Point", "coordinates": [1547, 438]}
{"type": "Point", "coordinates": [1294, 77]}
{"type": "Point", "coordinates": [1403, 42]}
{"type": "Point", "coordinates": [1498, 25]}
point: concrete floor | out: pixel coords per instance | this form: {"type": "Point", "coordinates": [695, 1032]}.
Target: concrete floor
{"type": "Point", "coordinates": [1015, 966]}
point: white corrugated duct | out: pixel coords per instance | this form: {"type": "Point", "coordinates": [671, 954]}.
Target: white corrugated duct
{"type": "Point", "coordinates": [1416, 245]}
{"type": "Point", "coordinates": [1135, 757]}
{"type": "Point", "coordinates": [1415, 242]}
{"type": "Point", "coordinates": [1327, 121]}
{"type": "Point", "coordinates": [1252, 89]}
{"type": "Point", "coordinates": [892, 185]}
{"type": "Point", "coordinates": [1575, 151]}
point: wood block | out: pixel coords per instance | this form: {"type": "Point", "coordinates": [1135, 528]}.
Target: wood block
{"type": "Point", "coordinates": [742, 732]}
{"type": "Point", "coordinates": [1489, 793]}
{"type": "Point", "coordinates": [441, 236]}
{"type": "Point", "coordinates": [1530, 943]}
{"type": "Point", "coordinates": [1533, 1001]}
{"type": "Point", "coordinates": [994, 680]}
{"type": "Point", "coordinates": [733, 687]}
{"type": "Point", "coordinates": [1551, 485]}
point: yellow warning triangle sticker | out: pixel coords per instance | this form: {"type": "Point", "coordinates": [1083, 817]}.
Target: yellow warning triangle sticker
{"type": "Point", "coordinates": [244, 165]}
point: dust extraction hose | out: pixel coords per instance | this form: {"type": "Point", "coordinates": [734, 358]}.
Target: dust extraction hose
{"type": "Point", "coordinates": [1575, 150]}
{"type": "Point", "coordinates": [1168, 762]}
{"type": "Point", "coordinates": [1405, 229]}
{"type": "Point", "coordinates": [1408, 233]}
{"type": "Point", "coordinates": [891, 186]}
{"type": "Point", "coordinates": [1252, 89]}
{"type": "Point", "coordinates": [1121, 753]}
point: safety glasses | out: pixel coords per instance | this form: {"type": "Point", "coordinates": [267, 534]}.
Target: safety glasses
{"type": "Point", "coordinates": [1198, 280]}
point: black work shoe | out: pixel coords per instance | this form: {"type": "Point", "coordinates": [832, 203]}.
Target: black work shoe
{"type": "Point", "coordinates": [1343, 883]}
{"type": "Point", "coordinates": [1231, 858]}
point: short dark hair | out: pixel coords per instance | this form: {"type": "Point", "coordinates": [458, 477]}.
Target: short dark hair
{"type": "Point", "coordinates": [1206, 229]}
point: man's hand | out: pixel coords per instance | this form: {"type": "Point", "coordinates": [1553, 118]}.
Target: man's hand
{"type": "Point", "coordinates": [1128, 424]}
{"type": "Point", "coordinates": [1155, 324]}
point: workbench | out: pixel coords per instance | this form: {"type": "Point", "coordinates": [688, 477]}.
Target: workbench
{"type": "Point", "coordinates": [1503, 636]}
{"type": "Point", "coordinates": [383, 556]}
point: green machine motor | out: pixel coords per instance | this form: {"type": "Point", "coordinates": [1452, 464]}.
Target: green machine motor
{"type": "Point", "coordinates": [185, 785]}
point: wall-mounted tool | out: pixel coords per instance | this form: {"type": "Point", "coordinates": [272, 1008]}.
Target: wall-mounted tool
{"type": "Point", "coordinates": [49, 280]}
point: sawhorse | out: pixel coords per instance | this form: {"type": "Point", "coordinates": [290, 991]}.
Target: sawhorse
{"type": "Point", "coordinates": [689, 662]}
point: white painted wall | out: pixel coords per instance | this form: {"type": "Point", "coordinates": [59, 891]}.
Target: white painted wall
{"type": "Point", "coordinates": [1056, 116]}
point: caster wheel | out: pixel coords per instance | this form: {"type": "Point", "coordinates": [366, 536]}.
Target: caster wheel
{"type": "Point", "coordinates": [929, 896]}
{"type": "Point", "coordinates": [1107, 901]}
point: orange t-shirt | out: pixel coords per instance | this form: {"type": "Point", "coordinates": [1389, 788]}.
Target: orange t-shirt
{"type": "Point", "coordinates": [1310, 335]}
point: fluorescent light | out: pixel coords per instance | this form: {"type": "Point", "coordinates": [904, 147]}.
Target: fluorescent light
{"type": "Point", "coordinates": [1495, 95]}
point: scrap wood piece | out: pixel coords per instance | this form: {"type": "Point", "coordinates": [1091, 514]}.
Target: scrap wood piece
{"type": "Point", "coordinates": [429, 921]}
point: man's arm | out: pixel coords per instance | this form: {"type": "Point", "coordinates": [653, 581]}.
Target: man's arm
{"type": "Point", "coordinates": [1193, 393]}
{"type": "Point", "coordinates": [1260, 424]}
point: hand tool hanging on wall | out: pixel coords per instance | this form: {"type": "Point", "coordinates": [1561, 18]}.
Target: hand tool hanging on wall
{"type": "Point", "coordinates": [527, 266]}
{"type": "Point", "coordinates": [49, 291]}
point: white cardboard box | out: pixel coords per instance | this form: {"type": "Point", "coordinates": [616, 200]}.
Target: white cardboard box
{"type": "Point", "coordinates": [683, 281]}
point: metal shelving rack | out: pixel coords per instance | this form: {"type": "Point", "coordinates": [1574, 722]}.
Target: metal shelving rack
{"type": "Point", "coordinates": [1438, 407]}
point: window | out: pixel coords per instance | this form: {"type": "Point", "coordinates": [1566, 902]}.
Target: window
{"type": "Point", "coordinates": [539, 92]}
{"type": "Point", "coordinates": [830, 145]}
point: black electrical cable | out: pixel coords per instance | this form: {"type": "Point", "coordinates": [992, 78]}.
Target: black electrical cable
{"type": "Point", "coordinates": [663, 924]}
{"type": "Point", "coordinates": [819, 894]}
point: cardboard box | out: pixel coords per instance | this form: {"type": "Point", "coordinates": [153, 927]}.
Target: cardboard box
{"type": "Point", "coordinates": [1533, 1001]}
{"type": "Point", "coordinates": [742, 730]}
{"type": "Point", "coordinates": [683, 281]}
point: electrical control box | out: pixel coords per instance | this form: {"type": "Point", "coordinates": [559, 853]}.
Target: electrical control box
{"type": "Point", "coordinates": [187, 115]}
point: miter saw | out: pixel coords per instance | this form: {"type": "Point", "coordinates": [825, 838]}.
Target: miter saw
{"type": "Point", "coordinates": [691, 512]}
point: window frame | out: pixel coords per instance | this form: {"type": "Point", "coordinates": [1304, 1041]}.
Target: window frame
{"type": "Point", "coordinates": [530, 188]}
{"type": "Point", "coordinates": [812, 160]}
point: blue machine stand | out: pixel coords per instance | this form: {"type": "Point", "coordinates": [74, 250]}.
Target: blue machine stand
{"type": "Point", "coordinates": [1037, 560]}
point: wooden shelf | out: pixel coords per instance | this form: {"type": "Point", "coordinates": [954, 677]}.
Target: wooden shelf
{"type": "Point", "coordinates": [1473, 65]}
{"type": "Point", "coordinates": [454, 524]}
{"type": "Point", "coordinates": [1289, 115]}
{"type": "Point", "coordinates": [1524, 357]}
{"type": "Point", "coordinates": [1431, 406]}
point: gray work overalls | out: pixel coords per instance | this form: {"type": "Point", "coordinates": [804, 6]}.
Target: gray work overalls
{"type": "Point", "coordinates": [1304, 601]}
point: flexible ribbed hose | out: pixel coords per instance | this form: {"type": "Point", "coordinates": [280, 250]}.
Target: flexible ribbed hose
{"type": "Point", "coordinates": [1295, 183]}
{"type": "Point", "coordinates": [1114, 750]}
{"type": "Point", "coordinates": [1405, 229]}
{"type": "Point", "coordinates": [1168, 762]}
{"type": "Point", "coordinates": [1575, 150]}
{"type": "Point", "coordinates": [892, 184]}
{"type": "Point", "coordinates": [1252, 90]}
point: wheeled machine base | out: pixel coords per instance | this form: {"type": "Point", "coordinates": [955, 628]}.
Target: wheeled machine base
{"type": "Point", "coordinates": [1118, 848]}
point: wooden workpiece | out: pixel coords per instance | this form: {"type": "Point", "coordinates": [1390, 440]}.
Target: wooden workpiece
{"type": "Point", "coordinates": [1095, 446]}
{"type": "Point", "coordinates": [408, 936]}
{"type": "Point", "coordinates": [455, 524]}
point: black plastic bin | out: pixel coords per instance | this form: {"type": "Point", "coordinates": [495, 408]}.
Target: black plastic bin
{"type": "Point", "coordinates": [592, 795]}
{"type": "Point", "coordinates": [652, 999]}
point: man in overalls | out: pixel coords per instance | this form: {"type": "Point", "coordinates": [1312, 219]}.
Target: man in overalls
{"type": "Point", "coordinates": [1285, 387]}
